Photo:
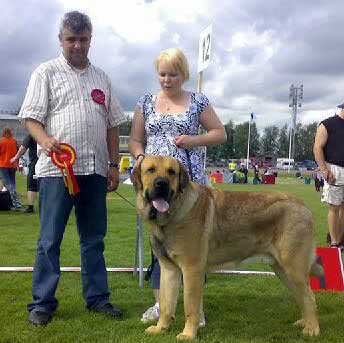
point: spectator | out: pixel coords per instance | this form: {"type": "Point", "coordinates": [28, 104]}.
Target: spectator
{"type": "Point", "coordinates": [69, 100]}
{"type": "Point", "coordinates": [256, 174]}
{"type": "Point", "coordinates": [8, 149]}
{"type": "Point", "coordinates": [32, 188]}
{"type": "Point", "coordinates": [244, 171]}
{"type": "Point", "coordinates": [329, 154]}
{"type": "Point", "coordinates": [169, 122]}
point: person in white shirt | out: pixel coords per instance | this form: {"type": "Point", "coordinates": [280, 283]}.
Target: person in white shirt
{"type": "Point", "coordinates": [60, 107]}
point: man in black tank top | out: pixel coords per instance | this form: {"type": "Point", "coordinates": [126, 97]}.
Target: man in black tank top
{"type": "Point", "coordinates": [329, 154]}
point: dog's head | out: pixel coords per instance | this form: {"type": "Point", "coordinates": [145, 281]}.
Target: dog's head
{"type": "Point", "coordinates": [159, 180]}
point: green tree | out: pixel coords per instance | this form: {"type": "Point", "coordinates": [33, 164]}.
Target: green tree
{"type": "Point", "coordinates": [125, 128]}
{"type": "Point", "coordinates": [304, 140]}
{"type": "Point", "coordinates": [224, 150]}
{"type": "Point", "coordinates": [283, 142]}
{"type": "Point", "coordinates": [269, 141]}
{"type": "Point", "coordinates": [240, 140]}
{"type": "Point", "coordinates": [254, 141]}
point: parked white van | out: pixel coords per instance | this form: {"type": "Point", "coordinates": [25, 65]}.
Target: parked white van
{"type": "Point", "coordinates": [283, 163]}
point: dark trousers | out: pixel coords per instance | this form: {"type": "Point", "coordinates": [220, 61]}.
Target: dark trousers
{"type": "Point", "coordinates": [8, 176]}
{"type": "Point", "coordinates": [55, 205]}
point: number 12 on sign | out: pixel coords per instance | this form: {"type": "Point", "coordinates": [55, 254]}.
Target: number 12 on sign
{"type": "Point", "coordinates": [204, 48]}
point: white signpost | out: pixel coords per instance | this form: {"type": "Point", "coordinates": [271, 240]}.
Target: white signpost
{"type": "Point", "coordinates": [204, 49]}
{"type": "Point", "coordinates": [204, 54]}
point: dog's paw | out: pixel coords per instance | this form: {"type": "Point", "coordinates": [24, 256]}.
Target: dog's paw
{"type": "Point", "coordinates": [154, 329]}
{"type": "Point", "coordinates": [311, 329]}
{"type": "Point", "coordinates": [183, 337]}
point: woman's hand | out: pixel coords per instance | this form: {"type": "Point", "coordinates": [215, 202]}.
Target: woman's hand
{"type": "Point", "coordinates": [138, 161]}
{"type": "Point", "coordinates": [185, 141]}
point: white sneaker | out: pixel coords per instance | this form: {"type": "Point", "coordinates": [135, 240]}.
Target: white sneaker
{"type": "Point", "coordinates": [152, 314]}
{"type": "Point", "coordinates": [202, 321]}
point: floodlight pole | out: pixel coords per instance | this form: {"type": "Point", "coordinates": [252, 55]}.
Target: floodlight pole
{"type": "Point", "coordinates": [295, 101]}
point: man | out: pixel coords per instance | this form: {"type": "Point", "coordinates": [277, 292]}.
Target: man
{"type": "Point", "coordinates": [329, 154]}
{"type": "Point", "coordinates": [31, 181]}
{"type": "Point", "coordinates": [60, 107]}
{"type": "Point", "coordinates": [8, 149]}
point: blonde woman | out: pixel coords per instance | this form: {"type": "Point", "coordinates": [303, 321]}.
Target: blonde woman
{"type": "Point", "coordinates": [167, 124]}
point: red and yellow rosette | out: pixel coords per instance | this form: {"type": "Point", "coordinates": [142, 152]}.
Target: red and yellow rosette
{"type": "Point", "coordinates": [64, 161]}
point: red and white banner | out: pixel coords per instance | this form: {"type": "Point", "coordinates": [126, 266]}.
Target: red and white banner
{"type": "Point", "coordinates": [331, 260]}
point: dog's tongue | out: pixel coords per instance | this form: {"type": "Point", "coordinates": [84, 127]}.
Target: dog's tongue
{"type": "Point", "coordinates": [161, 205]}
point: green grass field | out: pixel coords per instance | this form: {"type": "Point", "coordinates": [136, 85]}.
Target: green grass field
{"type": "Point", "coordinates": [239, 308]}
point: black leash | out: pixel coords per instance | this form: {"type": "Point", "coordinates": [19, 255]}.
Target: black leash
{"type": "Point", "coordinates": [187, 152]}
{"type": "Point", "coordinates": [129, 202]}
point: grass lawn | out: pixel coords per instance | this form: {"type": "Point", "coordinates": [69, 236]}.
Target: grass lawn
{"type": "Point", "coordinates": [239, 308]}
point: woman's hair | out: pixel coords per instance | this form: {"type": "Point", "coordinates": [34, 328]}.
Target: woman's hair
{"type": "Point", "coordinates": [7, 132]}
{"type": "Point", "coordinates": [176, 59]}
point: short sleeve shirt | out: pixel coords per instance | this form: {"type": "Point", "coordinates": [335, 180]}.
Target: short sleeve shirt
{"type": "Point", "coordinates": [161, 129]}
{"type": "Point", "coordinates": [59, 97]}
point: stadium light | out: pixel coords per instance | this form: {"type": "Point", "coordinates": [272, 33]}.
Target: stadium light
{"type": "Point", "coordinates": [295, 101]}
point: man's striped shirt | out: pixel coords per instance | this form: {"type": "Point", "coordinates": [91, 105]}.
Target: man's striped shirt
{"type": "Point", "coordinates": [59, 97]}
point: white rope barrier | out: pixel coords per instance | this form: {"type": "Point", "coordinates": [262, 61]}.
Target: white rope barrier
{"type": "Point", "coordinates": [128, 270]}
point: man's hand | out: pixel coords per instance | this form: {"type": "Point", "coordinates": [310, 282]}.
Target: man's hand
{"type": "Point", "coordinates": [50, 144]}
{"type": "Point", "coordinates": [13, 160]}
{"type": "Point", "coordinates": [328, 176]}
{"type": "Point", "coordinates": [112, 179]}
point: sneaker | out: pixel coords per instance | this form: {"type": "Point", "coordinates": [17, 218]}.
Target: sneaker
{"type": "Point", "coordinates": [151, 314]}
{"type": "Point", "coordinates": [39, 318]}
{"type": "Point", "coordinates": [16, 208]}
{"type": "Point", "coordinates": [202, 321]}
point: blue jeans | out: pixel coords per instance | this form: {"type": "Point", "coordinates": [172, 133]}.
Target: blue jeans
{"type": "Point", "coordinates": [8, 176]}
{"type": "Point", "coordinates": [55, 205]}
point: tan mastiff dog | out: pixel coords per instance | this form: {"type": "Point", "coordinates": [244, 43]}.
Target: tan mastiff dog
{"type": "Point", "coordinates": [194, 229]}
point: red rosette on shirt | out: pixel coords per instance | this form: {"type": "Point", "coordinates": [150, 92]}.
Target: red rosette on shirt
{"type": "Point", "coordinates": [64, 161]}
{"type": "Point", "coordinates": [98, 97]}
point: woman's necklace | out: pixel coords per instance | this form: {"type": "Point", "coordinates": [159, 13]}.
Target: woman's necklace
{"type": "Point", "coordinates": [166, 105]}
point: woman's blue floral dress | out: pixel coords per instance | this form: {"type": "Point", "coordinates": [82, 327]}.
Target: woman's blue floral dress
{"type": "Point", "coordinates": [160, 130]}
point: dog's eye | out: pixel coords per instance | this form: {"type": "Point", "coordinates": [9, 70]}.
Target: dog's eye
{"type": "Point", "coordinates": [151, 170]}
{"type": "Point", "coordinates": [171, 172]}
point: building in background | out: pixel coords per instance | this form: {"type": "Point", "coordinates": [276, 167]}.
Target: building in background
{"type": "Point", "coordinates": [10, 119]}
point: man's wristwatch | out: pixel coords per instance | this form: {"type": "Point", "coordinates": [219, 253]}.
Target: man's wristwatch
{"type": "Point", "coordinates": [113, 165]}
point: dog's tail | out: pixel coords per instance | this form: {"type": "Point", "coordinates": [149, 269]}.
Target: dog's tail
{"type": "Point", "coordinates": [317, 269]}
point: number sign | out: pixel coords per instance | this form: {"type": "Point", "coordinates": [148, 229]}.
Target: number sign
{"type": "Point", "coordinates": [204, 48]}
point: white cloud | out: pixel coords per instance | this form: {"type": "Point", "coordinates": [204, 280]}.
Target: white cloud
{"type": "Point", "coordinates": [258, 50]}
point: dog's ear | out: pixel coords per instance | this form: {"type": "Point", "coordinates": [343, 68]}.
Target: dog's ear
{"type": "Point", "coordinates": [136, 178]}
{"type": "Point", "coordinates": [183, 177]}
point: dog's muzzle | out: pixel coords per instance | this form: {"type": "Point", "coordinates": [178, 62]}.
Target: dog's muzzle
{"type": "Point", "coordinates": [160, 194]}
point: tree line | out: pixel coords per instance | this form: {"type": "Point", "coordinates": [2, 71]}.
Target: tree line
{"type": "Point", "coordinates": [273, 142]}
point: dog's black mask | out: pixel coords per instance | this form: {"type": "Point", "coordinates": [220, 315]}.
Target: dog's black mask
{"type": "Point", "coordinates": [161, 189]}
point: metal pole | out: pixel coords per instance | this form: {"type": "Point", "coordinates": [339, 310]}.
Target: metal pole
{"type": "Point", "coordinates": [139, 253]}
{"type": "Point", "coordinates": [294, 120]}
{"type": "Point", "coordinates": [248, 142]}
{"type": "Point", "coordinates": [199, 90]}
{"type": "Point", "coordinates": [295, 100]}
{"type": "Point", "coordinates": [199, 82]}
{"type": "Point", "coordinates": [290, 138]}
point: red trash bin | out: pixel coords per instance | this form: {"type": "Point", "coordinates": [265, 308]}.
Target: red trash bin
{"type": "Point", "coordinates": [268, 179]}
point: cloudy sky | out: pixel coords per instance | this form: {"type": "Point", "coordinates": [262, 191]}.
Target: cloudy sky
{"type": "Point", "coordinates": [259, 48]}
